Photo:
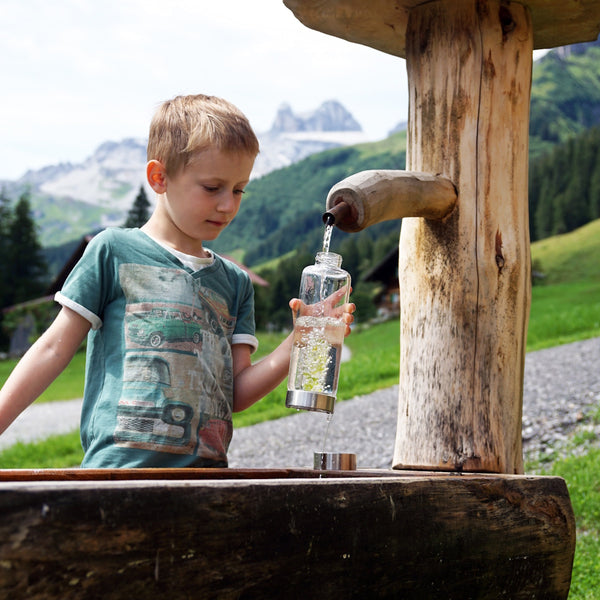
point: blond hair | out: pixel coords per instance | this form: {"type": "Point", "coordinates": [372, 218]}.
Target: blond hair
{"type": "Point", "coordinates": [186, 125]}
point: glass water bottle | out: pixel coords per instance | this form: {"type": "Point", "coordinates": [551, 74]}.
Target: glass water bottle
{"type": "Point", "coordinates": [318, 335]}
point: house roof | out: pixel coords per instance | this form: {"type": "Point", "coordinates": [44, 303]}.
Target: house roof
{"type": "Point", "coordinates": [60, 279]}
{"type": "Point", "coordinates": [254, 278]}
{"type": "Point", "coordinates": [385, 268]}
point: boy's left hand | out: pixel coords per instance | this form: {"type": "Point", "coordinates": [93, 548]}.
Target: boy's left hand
{"type": "Point", "coordinates": [348, 316]}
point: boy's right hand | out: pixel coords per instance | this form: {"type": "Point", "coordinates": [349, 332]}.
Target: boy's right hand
{"type": "Point", "coordinates": [345, 310]}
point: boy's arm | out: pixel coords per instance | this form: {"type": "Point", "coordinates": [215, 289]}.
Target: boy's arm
{"type": "Point", "coordinates": [41, 364]}
{"type": "Point", "coordinates": [251, 382]}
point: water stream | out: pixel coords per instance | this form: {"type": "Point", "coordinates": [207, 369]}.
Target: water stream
{"type": "Point", "coordinates": [326, 243]}
{"type": "Point", "coordinates": [327, 237]}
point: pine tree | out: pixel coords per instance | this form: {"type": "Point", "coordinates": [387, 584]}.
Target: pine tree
{"type": "Point", "coordinates": [535, 183]}
{"type": "Point", "coordinates": [139, 213]}
{"type": "Point", "coordinates": [26, 268]}
{"type": "Point", "coordinates": [352, 256]}
{"type": "Point", "coordinates": [595, 188]}
{"type": "Point", "coordinates": [544, 209]}
{"type": "Point", "coordinates": [5, 222]}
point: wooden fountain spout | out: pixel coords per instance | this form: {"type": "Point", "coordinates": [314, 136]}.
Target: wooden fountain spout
{"type": "Point", "coordinates": [375, 196]}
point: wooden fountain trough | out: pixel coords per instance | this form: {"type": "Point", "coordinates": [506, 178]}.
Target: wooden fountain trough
{"type": "Point", "coordinates": [219, 533]}
{"type": "Point", "coordinates": [455, 518]}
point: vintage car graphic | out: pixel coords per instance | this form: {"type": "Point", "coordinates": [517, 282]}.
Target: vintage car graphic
{"type": "Point", "coordinates": [160, 325]}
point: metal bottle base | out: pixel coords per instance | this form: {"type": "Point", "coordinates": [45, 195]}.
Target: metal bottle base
{"type": "Point", "coordinates": [309, 401]}
{"type": "Point", "coordinates": [336, 461]}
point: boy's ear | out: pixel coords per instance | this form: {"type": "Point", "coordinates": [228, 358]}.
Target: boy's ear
{"type": "Point", "coordinates": [156, 175]}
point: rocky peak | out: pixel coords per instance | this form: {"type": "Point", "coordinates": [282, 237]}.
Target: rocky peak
{"type": "Point", "coordinates": [124, 150]}
{"type": "Point", "coordinates": [329, 116]}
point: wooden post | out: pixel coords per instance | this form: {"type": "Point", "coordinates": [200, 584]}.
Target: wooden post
{"type": "Point", "coordinates": [464, 281]}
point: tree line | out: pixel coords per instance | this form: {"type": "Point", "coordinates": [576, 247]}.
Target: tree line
{"type": "Point", "coordinates": [564, 186]}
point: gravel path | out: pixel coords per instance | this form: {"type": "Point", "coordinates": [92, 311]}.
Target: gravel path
{"type": "Point", "coordinates": [561, 390]}
{"type": "Point", "coordinates": [561, 387]}
{"type": "Point", "coordinates": [42, 420]}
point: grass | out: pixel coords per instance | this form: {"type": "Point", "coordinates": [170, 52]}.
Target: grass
{"type": "Point", "coordinates": [581, 474]}
{"type": "Point", "coordinates": [581, 470]}
{"type": "Point", "coordinates": [565, 307]}
{"type": "Point", "coordinates": [55, 452]}
{"type": "Point", "coordinates": [563, 313]}
{"type": "Point", "coordinates": [68, 385]}
{"type": "Point", "coordinates": [570, 257]}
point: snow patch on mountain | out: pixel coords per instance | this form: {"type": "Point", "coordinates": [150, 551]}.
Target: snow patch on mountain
{"type": "Point", "coordinates": [111, 177]}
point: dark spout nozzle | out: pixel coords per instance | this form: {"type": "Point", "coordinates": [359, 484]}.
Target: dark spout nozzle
{"type": "Point", "coordinates": [336, 213]}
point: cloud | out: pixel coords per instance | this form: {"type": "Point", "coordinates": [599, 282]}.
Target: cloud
{"type": "Point", "coordinates": [77, 73]}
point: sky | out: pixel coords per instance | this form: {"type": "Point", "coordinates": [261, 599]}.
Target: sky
{"type": "Point", "coordinates": [77, 73]}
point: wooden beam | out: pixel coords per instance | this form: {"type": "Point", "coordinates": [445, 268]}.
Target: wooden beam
{"type": "Point", "coordinates": [409, 535]}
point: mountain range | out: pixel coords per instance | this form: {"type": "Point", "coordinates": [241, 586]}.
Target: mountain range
{"type": "Point", "coordinates": [99, 191]}
{"type": "Point", "coordinates": [301, 157]}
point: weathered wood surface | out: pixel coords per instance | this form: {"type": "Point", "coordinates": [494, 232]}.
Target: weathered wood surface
{"type": "Point", "coordinates": [409, 535]}
{"type": "Point", "coordinates": [384, 195]}
{"type": "Point", "coordinates": [381, 24]}
{"type": "Point", "coordinates": [464, 281]}
{"type": "Point", "coordinates": [77, 474]}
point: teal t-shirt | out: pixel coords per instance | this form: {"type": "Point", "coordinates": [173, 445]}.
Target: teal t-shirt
{"type": "Point", "coordinates": [159, 378]}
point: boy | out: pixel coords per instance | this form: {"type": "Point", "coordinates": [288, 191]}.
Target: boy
{"type": "Point", "coordinates": [171, 325]}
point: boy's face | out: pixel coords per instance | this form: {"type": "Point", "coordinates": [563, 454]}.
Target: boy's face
{"type": "Point", "coordinates": [204, 196]}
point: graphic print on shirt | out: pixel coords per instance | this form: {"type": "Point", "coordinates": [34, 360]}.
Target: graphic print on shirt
{"type": "Point", "coordinates": [177, 372]}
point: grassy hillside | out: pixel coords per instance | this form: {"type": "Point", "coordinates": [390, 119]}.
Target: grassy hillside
{"type": "Point", "coordinates": [282, 210]}
{"type": "Point", "coordinates": [570, 257]}
{"type": "Point", "coordinates": [565, 305]}
{"type": "Point", "coordinates": [565, 95]}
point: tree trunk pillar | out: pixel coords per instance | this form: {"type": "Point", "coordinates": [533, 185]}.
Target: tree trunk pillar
{"type": "Point", "coordinates": [465, 280]}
